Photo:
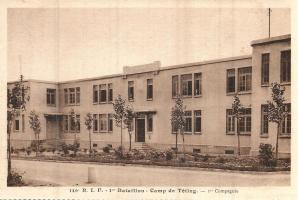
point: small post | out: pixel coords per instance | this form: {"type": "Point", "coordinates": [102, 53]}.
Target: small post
{"type": "Point", "coordinates": [91, 175]}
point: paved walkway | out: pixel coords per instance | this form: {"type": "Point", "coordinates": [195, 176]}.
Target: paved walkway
{"type": "Point", "coordinates": [70, 174]}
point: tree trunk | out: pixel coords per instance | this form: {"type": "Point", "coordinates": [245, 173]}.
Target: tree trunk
{"type": "Point", "coordinates": [183, 144]}
{"type": "Point", "coordinates": [129, 141]}
{"type": "Point", "coordinates": [8, 147]}
{"type": "Point", "coordinates": [176, 150]}
{"type": "Point", "coordinates": [277, 134]}
{"type": "Point", "coordinates": [38, 143]}
{"type": "Point", "coordinates": [89, 143]}
{"type": "Point", "coordinates": [238, 137]}
{"type": "Point", "coordinates": [121, 138]}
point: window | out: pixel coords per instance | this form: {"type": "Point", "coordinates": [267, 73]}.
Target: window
{"type": "Point", "coordinates": [244, 75]}
{"type": "Point", "coordinates": [23, 123]}
{"type": "Point", "coordinates": [149, 89]}
{"type": "Point", "coordinates": [102, 122]}
{"type": "Point", "coordinates": [72, 95]}
{"type": "Point", "coordinates": [130, 126]}
{"type": "Point", "coordinates": [78, 123]}
{"type": "Point", "coordinates": [102, 93]}
{"type": "Point", "coordinates": [245, 121]}
{"type": "Point", "coordinates": [95, 123]}
{"type": "Point", "coordinates": [231, 79]}
{"type": "Point", "coordinates": [17, 125]}
{"type": "Point", "coordinates": [110, 92]}
{"type": "Point", "coordinates": [78, 95]}
{"type": "Point", "coordinates": [186, 84]}
{"type": "Point", "coordinates": [285, 66]}
{"type": "Point", "coordinates": [130, 90]}
{"type": "Point", "coordinates": [51, 96]}
{"type": "Point", "coordinates": [66, 96]}
{"type": "Point", "coordinates": [149, 123]}
{"type": "Point", "coordinates": [175, 86]}
{"type": "Point", "coordinates": [198, 84]}
{"type": "Point", "coordinates": [65, 120]}
{"type": "Point", "coordinates": [197, 124]}
{"type": "Point", "coordinates": [110, 121]}
{"type": "Point", "coordinates": [286, 124]}
{"type": "Point", "coordinates": [230, 121]}
{"type": "Point", "coordinates": [264, 119]}
{"type": "Point", "coordinates": [188, 120]}
{"type": "Point", "coordinates": [265, 68]}
{"type": "Point", "coordinates": [94, 145]}
{"type": "Point", "coordinates": [95, 93]}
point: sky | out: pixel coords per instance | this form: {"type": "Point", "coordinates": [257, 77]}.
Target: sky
{"type": "Point", "coordinates": [66, 44]}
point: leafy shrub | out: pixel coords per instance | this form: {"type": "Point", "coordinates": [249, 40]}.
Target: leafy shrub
{"type": "Point", "coordinates": [106, 149]}
{"type": "Point", "coordinates": [220, 160]}
{"type": "Point", "coordinates": [118, 152]}
{"type": "Point", "coordinates": [205, 158]}
{"type": "Point", "coordinates": [28, 150]}
{"type": "Point", "coordinates": [266, 155]}
{"type": "Point", "coordinates": [23, 149]}
{"type": "Point", "coordinates": [182, 159]}
{"type": "Point", "coordinates": [15, 179]}
{"type": "Point", "coordinates": [169, 155]}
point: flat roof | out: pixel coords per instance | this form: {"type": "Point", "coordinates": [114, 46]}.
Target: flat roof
{"type": "Point", "coordinates": [271, 40]}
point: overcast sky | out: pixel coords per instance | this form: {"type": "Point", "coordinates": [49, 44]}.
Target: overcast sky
{"type": "Point", "coordinates": [66, 44]}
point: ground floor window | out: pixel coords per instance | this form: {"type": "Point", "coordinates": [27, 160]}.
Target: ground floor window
{"type": "Point", "coordinates": [245, 121]}
{"type": "Point", "coordinates": [286, 124]}
{"type": "Point", "coordinates": [264, 120]}
{"type": "Point", "coordinates": [197, 123]}
{"type": "Point", "coordinates": [149, 123]}
{"type": "Point", "coordinates": [95, 123]}
{"type": "Point", "coordinates": [16, 125]}
{"type": "Point", "coordinates": [188, 122]}
{"type": "Point", "coordinates": [23, 123]}
{"type": "Point", "coordinates": [71, 124]}
{"type": "Point", "coordinates": [230, 121]}
{"type": "Point", "coordinates": [110, 121]}
{"type": "Point", "coordinates": [102, 122]}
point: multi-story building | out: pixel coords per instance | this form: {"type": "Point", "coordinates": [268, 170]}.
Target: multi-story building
{"type": "Point", "coordinates": [207, 88]}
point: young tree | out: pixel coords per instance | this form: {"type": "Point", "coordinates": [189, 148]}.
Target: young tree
{"type": "Point", "coordinates": [35, 126]}
{"type": "Point", "coordinates": [129, 115]}
{"type": "Point", "coordinates": [277, 110]}
{"type": "Point", "coordinates": [89, 125]}
{"type": "Point", "coordinates": [237, 110]}
{"type": "Point", "coordinates": [17, 98]}
{"type": "Point", "coordinates": [74, 124]}
{"type": "Point", "coordinates": [178, 119]}
{"type": "Point", "coordinates": [119, 108]}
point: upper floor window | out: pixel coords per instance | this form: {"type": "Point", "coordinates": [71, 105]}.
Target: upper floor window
{"type": "Point", "coordinates": [65, 96]}
{"type": "Point", "coordinates": [175, 86]}
{"type": "Point", "coordinates": [244, 76]}
{"type": "Point", "coordinates": [286, 124]}
{"type": "Point", "coordinates": [95, 93]}
{"type": "Point", "coordinates": [197, 123]}
{"type": "Point", "coordinates": [197, 84]}
{"type": "Point", "coordinates": [78, 99]}
{"type": "Point", "coordinates": [103, 93]}
{"type": "Point", "coordinates": [231, 79]}
{"type": "Point", "coordinates": [245, 121]}
{"type": "Point", "coordinates": [285, 66]}
{"type": "Point", "coordinates": [188, 120]}
{"type": "Point", "coordinates": [149, 89]}
{"type": "Point", "coordinates": [51, 96]}
{"type": "Point", "coordinates": [110, 92]}
{"type": "Point", "coordinates": [265, 69]}
{"type": "Point", "coordinates": [186, 84]}
{"type": "Point", "coordinates": [130, 90]}
{"type": "Point", "coordinates": [72, 96]}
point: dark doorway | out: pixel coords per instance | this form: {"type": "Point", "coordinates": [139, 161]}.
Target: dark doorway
{"type": "Point", "coordinates": [140, 127]}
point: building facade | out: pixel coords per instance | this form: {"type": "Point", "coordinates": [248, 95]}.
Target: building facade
{"type": "Point", "coordinates": [207, 89]}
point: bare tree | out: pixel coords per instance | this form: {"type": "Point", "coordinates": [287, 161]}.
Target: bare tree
{"type": "Point", "coordinates": [178, 120]}
{"type": "Point", "coordinates": [129, 115]}
{"type": "Point", "coordinates": [119, 108]}
{"type": "Point", "coordinates": [89, 124]}
{"type": "Point", "coordinates": [237, 110]}
{"type": "Point", "coordinates": [35, 126]}
{"type": "Point", "coordinates": [277, 110]}
{"type": "Point", "coordinates": [74, 124]}
{"type": "Point", "coordinates": [17, 98]}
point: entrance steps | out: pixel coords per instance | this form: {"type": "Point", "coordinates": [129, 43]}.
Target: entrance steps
{"type": "Point", "coordinates": [141, 146]}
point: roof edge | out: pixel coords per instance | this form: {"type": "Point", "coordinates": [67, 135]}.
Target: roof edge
{"type": "Point", "coordinates": [271, 40]}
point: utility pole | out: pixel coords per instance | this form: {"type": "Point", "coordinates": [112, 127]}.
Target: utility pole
{"type": "Point", "coordinates": [269, 14]}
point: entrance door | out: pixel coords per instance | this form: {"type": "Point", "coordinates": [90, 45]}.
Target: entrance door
{"type": "Point", "coordinates": [140, 126]}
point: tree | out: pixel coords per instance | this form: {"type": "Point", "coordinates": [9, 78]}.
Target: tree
{"type": "Point", "coordinates": [119, 108]}
{"type": "Point", "coordinates": [129, 115]}
{"type": "Point", "coordinates": [74, 125]}
{"type": "Point", "coordinates": [178, 120]}
{"type": "Point", "coordinates": [89, 124]}
{"type": "Point", "coordinates": [237, 110]}
{"type": "Point", "coordinates": [35, 126]}
{"type": "Point", "coordinates": [17, 98]}
{"type": "Point", "coordinates": [277, 110]}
